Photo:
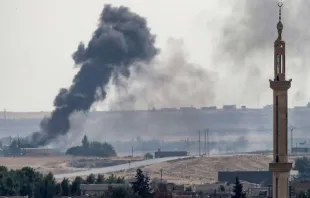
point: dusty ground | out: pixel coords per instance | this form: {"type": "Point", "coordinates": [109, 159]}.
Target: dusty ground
{"type": "Point", "coordinates": [97, 162]}
{"type": "Point", "coordinates": [54, 164]}
{"type": "Point", "coordinates": [59, 164]}
{"type": "Point", "coordinates": [189, 171]}
{"type": "Point", "coordinates": [202, 170]}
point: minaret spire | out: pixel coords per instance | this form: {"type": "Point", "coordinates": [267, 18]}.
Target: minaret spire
{"type": "Point", "coordinates": [280, 25]}
{"type": "Point", "coordinates": [280, 166]}
{"type": "Point", "coordinates": [279, 50]}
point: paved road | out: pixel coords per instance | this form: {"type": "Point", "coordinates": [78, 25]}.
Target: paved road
{"type": "Point", "coordinates": [118, 167]}
{"type": "Point", "coordinates": [142, 163]}
{"type": "Point", "coordinates": [136, 165]}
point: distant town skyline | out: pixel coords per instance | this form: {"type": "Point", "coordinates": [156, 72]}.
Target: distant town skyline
{"type": "Point", "coordinates": [38, 38]}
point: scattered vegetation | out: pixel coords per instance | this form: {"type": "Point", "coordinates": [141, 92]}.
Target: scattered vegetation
{"type": "Point", "coordinates": [142, 185]}
{"type": "Point", "coordinates": [238, 190]}
{"type": "Point", "coordinates": [28, 182]}
{"type": "Point", "coordinates": [302, 165]}
{"type": "Point", "coordinates": [148, 156]}
{"type": "Point", "coordinates": [16, 147]}
{"type": "Point", "coordinates": [94, 149]}
{"type": "Point", "coordinates": [303, 194]}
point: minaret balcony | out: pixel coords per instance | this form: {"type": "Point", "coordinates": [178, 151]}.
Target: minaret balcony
{"type": "Point", "coordinates": [280, 166]}
{"type": "Point", "coordinates": [280, 85]}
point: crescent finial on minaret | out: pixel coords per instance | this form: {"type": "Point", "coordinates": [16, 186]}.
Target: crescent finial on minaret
{"type": "Point", "coordinates": [280, 25]}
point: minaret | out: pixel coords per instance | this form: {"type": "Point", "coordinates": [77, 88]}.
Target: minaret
{"type": "Point", "coordinates": [280, 167]}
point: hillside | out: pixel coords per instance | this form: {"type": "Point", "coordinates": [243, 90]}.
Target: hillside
{"type": "Point", "coordinates": [204, 169]}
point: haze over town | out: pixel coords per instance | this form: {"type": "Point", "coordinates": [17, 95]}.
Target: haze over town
{"type": "Point", "coordinates": [177, 88]}
{"type": "Point", "coordinates": [203, 60]}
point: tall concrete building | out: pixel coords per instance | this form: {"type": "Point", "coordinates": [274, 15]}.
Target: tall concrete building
{"type": "Point", "coordinates": [280, 167]}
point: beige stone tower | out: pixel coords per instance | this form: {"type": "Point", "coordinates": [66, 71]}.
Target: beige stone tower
{"type": "Point", "coordinates": [280, 167]}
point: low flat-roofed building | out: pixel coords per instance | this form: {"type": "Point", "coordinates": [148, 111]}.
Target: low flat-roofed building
{"type": "Point", "coordinates": [39, 152]}
{"type": "Point", "coordinates": [229, 107]}
{"type": "Point", "coordinates": [256, 177]}
{"type": "Point", "coordinates": [99, 189]}
{"type": "Point", "coordinates": [300, 186]}
{"type": "Point", "coordinates": [209, 108]}
{"type": "Point", "coordinates": [161, 154]}
{"type": "Point", "coordinates": [300, 150]}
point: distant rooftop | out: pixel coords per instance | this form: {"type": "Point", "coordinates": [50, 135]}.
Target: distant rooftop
{"type": "Point", "coordinates": [226, 107]}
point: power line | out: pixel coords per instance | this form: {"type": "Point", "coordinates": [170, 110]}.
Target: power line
{"type": "Point", "coordinates": [199, 152]}
{"type": "Point", "coordinates": [205, 141]}
{"type": "Point", "coordinates": [208, 142]}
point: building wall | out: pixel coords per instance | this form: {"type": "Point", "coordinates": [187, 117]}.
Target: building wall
{"type": "Point", "coordinates": [177, 122]}
{"type": "Point", "coordinates": [160, 154]}
{"type": "Point", "coordinates": [300, 150]}
{"type": "Point", "coordinates": [39, 152]}
{"type": "Point", "coordinates": [249, 176]}
{"type": "Point", "coordinates": [301, 185]}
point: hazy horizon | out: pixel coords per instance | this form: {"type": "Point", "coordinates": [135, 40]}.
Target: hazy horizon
{"type": "Point", "coordinates": [38, 38]}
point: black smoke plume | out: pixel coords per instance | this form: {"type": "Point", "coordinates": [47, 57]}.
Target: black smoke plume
{"type": "Point", "coordinates": [121, 39]}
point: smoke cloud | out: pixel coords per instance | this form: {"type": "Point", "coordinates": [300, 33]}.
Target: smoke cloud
{"type": "Point", "coordinates": [241, 58]}
{"type": "Point", "coordinates": [243, 49]}
{"type": "Point", "coordinates": [247, 41]}
{"type": "Point", "coordinates": [169, 81]}
{"type": "Point", "coordinates": [121, 39]}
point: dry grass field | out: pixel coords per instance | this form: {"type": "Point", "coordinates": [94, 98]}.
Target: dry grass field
{"type": "Point", "coordinates": [202, 170]}
{"type": "Point", "coordinates": [187, 171]}
{"type": "Point", "coordinates": [54, 164]}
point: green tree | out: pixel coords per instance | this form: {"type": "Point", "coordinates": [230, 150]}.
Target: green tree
{"type": "Point", "coordinates": [222, 188]}
{"type": "Point", "coordinates": [46, 188]}
{"type": "Point", "coordinates": [65, 187]}
{"type": "Point", "coordinates": [122, 193]}
{"type": "Point", "coordinates": [302, 165]}
{"type": "Point", "coordinates": [14, 148]}
{"type": "Point", "coordinates": [58, 190]}
{"type": "Point", "coordinates": [75, 186]}
{"type": "Point", "coordinates": [85, 142]}
{"type": "Point", "coordinates": [301, 194]}
{"type": "Point", "coordinates": [112, 179]}
{"type": "Point", "coordinates": [100, 179]}
{"type": "Point", "coordinates": [308, 193]}
{"type": "Point", "coordinates": [28, 178]}
{"type": "Point", "coordinates": [10, 190]}
{"type": "Point", "coordinates": [94, 148]}
{"type": "Point", "coordinates": [3, 169]}
{"type": "Point", "coordinates": [238, 190]}
{"type": "Point", "coordinates": [141, 185]}
{"type": "Point", "coordinates": [90, 179]}
{"type": "Point", "coordinates": [148, 156]}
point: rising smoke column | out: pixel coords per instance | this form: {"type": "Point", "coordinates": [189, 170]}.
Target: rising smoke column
{"type": "Point", "coordinates": [247, 42]}
{"type": "Point", "coordinates": [121, 39]}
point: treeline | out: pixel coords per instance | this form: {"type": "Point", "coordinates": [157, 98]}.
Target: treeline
{"type": "Point", "coordinates": [16, 147]}
{"type": "Point", "coordinates": [28, 182]}
{"type": "Point", "coordinates": [302, 165]}
{"type": "Point", "coordinates": [94, 148]}
{"type": "Point", "coordinates": [87, 148]}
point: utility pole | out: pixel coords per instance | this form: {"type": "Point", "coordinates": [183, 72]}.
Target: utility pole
{"type": "Point", "coordinates": [132, 151]}
{"type": "Point", "coordinates": [161, 175]}
{"type": "Point", "coordinates": [292, 145]}
{"type": "Point", "coordinates": [205, 141]}
{"type": "Point", "coordinates": [4, 120]}
{"type": "Point", "coordinates": [199, 143]}
{"type": "Point", "coordinates": [208, 151]}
